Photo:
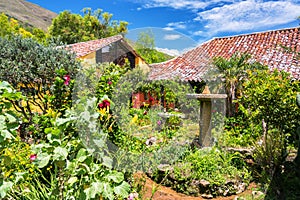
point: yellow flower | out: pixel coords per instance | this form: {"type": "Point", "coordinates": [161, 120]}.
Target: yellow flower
{"type": "Point", "coordinates": [134, 119]}
{"type": "Point", "coordinates": [102, 111]}
{"type": "Point", "coordinates": [51, 113]}
{"type": "Point", "coordinates": [110, 128]}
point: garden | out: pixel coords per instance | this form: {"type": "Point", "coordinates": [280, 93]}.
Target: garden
{"type": "Point", "coordinates": [69, 132]}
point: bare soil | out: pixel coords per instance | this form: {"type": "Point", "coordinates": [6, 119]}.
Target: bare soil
{"type": "Point", "coordinates": [166, 193]}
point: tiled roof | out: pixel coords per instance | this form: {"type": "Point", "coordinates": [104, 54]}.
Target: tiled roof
{"type": "Point", "coordinates": [84, 48]}
{"type": "Point", "coordinates": [265, 47]}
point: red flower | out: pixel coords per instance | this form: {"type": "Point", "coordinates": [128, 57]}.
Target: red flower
{"type": "Point", "coordinates": [109, 82]}
{"type": "Point", "coordinates": [151, 99]}
{"type": "Point", "coordinates": [67, 79]}
{"type": "Point", "coordinates": [32, 157]}
{"type": "Point", "coordinates": [100, 105]}
{"type": "Point", "coordinates": [104, 104]}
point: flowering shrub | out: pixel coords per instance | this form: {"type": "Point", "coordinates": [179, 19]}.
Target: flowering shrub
{"type": "Point", "coordinates": [38, 72]}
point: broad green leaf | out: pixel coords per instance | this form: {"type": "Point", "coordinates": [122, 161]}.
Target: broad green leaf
{"type": "Point", "coordinates": [72, 180]}
{"type": "Point", "coordinates": [81, 155]}
{"type": "Point", "coordinates": [107, 191]}
{"type": "Point", "coordinates": [6, 134]}
{"type": "Point", "coordinates": [96, 188]}
{"type": "Point", "coordinates": [53, 140]}
{"type": "Point", "coordinates": [122, 190]}
{"type": "Point", "coordinates": [5, 187]}
{"type": "Point", "coordinates": [60, 153]}
{"type": "Point", "coordinates": [116, 177]}
{"type": "Point", "coordinates": [10, 116]}
{"type": "Point", "coordinates": [61, 121]}
{"type": "Point", "coordinates": [43, 159]}
{"type": "Point", "coordinates": [71, 166]}
{"type": "Point", "coordinates": [107, 162]}
{"type": "Point", "coordinates": [20, 176]}
{"type": "Point", "coordinates": [2, 122]}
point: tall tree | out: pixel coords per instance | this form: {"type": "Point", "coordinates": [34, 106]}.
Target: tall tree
{"type": "Point", "coordinates": [72, 28]}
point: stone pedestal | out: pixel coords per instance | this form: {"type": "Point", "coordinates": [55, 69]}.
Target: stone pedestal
{"type": "Point", "coordinates": [205, 137]}
{"type": "Point", "coordinates": [205, 123]}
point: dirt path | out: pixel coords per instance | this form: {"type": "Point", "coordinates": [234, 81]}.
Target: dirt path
{"type": "Point", "coordinates": [165, 193]}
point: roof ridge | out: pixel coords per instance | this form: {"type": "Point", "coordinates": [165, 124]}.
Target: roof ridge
{"type": "Point", "coordinates": [119, 35]}
{"type": "Point", "coordinates": [258, 32]}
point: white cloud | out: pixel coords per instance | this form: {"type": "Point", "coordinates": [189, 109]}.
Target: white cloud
{"type": "Point", "coordinates": [172, 37]}
{"type": "Point", "coordinates": [177, 4]}
{"type": "Point", "coordinates": [198, 33]}
{"type": "Point", "coordinates": [177, 25]}
{"type": "Point", "coordinates": [168, 29]}
{"type": "Point", "coordinates": [171, 52]}
{"type": "Point", "coordinates": [248, 15]}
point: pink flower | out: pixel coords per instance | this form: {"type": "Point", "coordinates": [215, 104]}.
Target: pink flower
{"type": "Point", "coordinates": [109, 82]}
{"type": "Point", "coordinates": [133, 196]}
{"type": "Point", "coordinates": [158, 122]}
{"type": "Point", "coordinates": [32, 157]}
{"type": "Point", "coordinates": [67, 79]}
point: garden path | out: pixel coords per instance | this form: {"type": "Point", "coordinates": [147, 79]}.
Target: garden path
{"type": "Point", "coordinates": [166, 193]}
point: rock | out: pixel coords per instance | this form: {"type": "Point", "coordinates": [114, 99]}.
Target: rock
{"type": "Point", "coordinates": [204, 183]}
{"type": "Point", "coordinates": [257, 194]}
{"type": "Point", "coordinates": [207, 196]}
{"type": "Point", "coordinates": [195, 183]}
{"type": "Point", "coordinates": [151, 141]}
{"type": "Point", "coordinates": [230, 182]}
{"type": "Point", "coordinates": [164, 168]}
{"type": "Point", "coordinates": [226, 192]}
{"type": "Point", "coordinates": [241, 188]}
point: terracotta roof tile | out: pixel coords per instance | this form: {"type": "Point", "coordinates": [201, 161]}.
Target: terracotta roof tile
{"type": "Point", "coordinates": [265, 47]}
{"type": "Point", "coordinates": [84, 48]}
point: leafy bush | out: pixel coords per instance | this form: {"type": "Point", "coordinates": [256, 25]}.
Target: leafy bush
{"type": "Point", "coordinates": [42, 73]}
{"type": "Point", "coordinates": [221, 171]}
{"type": "Point", "coordinates": [268, 104]}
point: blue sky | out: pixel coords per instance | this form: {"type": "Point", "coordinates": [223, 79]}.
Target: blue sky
{"type": "Point", "coordinates": [180, 24]}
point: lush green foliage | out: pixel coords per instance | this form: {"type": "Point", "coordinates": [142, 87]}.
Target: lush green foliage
{"type": "Point", "coordinates": [65, 151]}
{"type": "Point", "coordinates": [145, 46]}
{"type": "Point", "coordinates": [271, 96]}
{"type": "Point", "coordinates": [10, 26]}
{"type": "Point", "coordinates": [269, 100]}
{"type": "Point", "coordinates": [234, 72]}
{"type": "Point", "coordinates": [71, 28]}
{"type": "Point", "coordinates": [211, 171]}
{"type": "Point", "coordinates": [42, 73]}
{"type": "Point", "coordinates": [14, 162]}
{"type": "Point", "coordinates": [57, 167]}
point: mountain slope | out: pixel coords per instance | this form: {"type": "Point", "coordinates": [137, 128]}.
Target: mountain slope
{"type": "Point", "coordinates": [28, 13]}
